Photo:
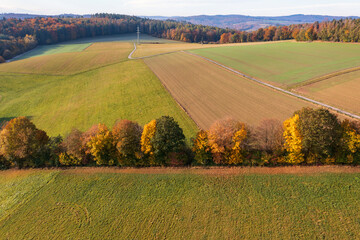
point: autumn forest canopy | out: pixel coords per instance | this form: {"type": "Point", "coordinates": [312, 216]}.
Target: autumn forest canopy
{"type": "Point", "coordinates": [20, 35]}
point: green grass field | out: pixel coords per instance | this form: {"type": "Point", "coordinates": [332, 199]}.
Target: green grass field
{"type": "Point", "coordinates": [286, 63]}
{"type": "Point", "coordinates": [178, 204]}
{"type": "Point", "coordinates": [44, 50]}
{"type": "Point", "coordinates": [99, 84]}
{"type": "Point", "coordinates": [127, 90]}
{"type": "Point", "coordinates": [81, 44]}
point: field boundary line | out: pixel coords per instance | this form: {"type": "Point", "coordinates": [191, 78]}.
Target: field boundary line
{"type": "Point", "coordinates": [325, 77]}
{"type": "Point", "coordinates": [173, 97]}
{"type": "Point", "coordinates": [276, 88]}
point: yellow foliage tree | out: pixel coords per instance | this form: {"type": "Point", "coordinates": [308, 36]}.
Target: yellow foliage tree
{"type": "Point", "coordinates": [293, 140]}
{"type": "Point", "coordinates": [101, 146]}
{"type": "Point", "coordinates": [68, 160]}
{"type": "Point", "coordinates": [146, 137]}
{"type": "Point", "coordinates": [201, 148]}
{"type": "Point", "coordinates": [237, 156]}
{"type": "Point", "coordinates": [351, 140]}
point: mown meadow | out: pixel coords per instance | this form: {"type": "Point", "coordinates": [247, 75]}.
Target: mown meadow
{"type": "Point", "coordinates": [78, 89]}
{"type": "Point", "coordinates": [106, 203]}
{"type": "Point", "coordinates": [286, 63]}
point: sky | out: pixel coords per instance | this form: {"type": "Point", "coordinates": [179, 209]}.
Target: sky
{"type": "Point", "coordinates": [184, 7]}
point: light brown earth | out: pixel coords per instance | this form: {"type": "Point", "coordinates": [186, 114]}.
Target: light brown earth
{"type": "Point", "coordinates": [209, 93]}
{"type": "Point", "coordinates": [341, 91]}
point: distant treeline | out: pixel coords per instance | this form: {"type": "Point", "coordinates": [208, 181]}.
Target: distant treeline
{"type": "Point", "coordinates": [17, 35]}
{"type": "Point", "coordinates": [309, 137]}
{"type": "Point", "coordinates": [54, 30]}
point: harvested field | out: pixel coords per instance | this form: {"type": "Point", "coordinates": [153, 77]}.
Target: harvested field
{"type": "Point", "coordinates": [286, 63]}
{"type": "Point", "coordinates": [341, 91]}
{"type": "Point", "coordinates": [97, 55]}
{"type": "Point", "coordinates": [209, 93]}
{"type": "Point", "coordinates": [105, 203]}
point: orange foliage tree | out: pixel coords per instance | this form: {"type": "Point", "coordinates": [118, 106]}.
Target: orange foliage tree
{"type": "Point", "coordinates": [227, 141]}
{"type": "Point", "coordinates": [20, 142]}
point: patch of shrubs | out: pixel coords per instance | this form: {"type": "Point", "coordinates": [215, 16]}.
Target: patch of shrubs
{"type": "Point", "coordinates": [309, 137]}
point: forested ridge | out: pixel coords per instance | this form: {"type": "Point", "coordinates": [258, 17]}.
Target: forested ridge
{"type": "Point", "coordinates": [20, 35]}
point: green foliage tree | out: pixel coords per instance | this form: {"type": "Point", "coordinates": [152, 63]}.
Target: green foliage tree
{"type": "Point", "coordinates": [66, 159]}
{"type": "Point", "coordinates": [168, 138]}
{"type": "Point", "coordinates": [321, 133]}
{"type": "Point", "coordinates": [127, 138]}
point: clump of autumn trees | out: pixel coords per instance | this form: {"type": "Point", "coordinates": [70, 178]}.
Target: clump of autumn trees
{"type": "Point", "coordinates": [310, 136]}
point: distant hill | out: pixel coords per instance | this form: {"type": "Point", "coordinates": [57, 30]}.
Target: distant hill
{"type": "Point", "coordinates": [25, 15]}
{"type": "Point", "coordinates": [238, 22]}
{"type": "Point", "coordinates": [250, 23]}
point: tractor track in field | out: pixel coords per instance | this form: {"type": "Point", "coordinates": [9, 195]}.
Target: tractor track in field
{"type": "Point", "coordinates": [257, 81]}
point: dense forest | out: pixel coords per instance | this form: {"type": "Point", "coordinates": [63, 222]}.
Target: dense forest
{"type": "Point", "coordinates": [20, 35]}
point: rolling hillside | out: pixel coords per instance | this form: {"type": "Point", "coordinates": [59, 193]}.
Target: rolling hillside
{"type": "Point", "coordinates": [103, 203]}
{"type": "Point", "coordinates": [78, 89]}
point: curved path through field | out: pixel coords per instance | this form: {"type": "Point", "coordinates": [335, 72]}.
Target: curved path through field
{"type": "Point", "coordinates": [258, 81]}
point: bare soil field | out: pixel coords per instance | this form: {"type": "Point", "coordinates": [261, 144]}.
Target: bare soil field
{"type": "Point", "coordinates": [209, 93]}
{"type": "Point", "coordinates": [341, 91]}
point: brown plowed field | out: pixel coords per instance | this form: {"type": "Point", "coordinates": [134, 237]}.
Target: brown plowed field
{"type": "Point", "coordinates": [340, 91]}
{"type": "Point", "coordinates": [209, 93]}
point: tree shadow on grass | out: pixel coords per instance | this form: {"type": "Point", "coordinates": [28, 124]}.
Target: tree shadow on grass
{"type": "Point", "coordinates": [4, 120]}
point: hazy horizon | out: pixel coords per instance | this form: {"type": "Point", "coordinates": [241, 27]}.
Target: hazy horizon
{"type": "Point", "coordinates": [183, 8]}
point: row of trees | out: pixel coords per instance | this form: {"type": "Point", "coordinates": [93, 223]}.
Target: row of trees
{"type": "Point", "coordinates": [308, 137]}
{"type": "Point", "coordinates": [344, 30]}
